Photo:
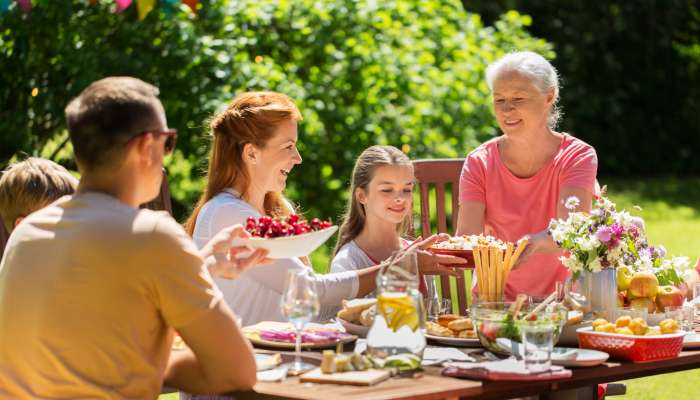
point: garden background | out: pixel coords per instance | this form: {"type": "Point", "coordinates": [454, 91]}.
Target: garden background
{"type": "Point", "coordinates": [402, 72]}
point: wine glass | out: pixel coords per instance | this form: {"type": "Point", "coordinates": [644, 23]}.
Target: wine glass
{"type": "Point", "coordinates": [300, 305]}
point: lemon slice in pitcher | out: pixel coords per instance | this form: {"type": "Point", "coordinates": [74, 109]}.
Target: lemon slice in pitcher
{"type": "Point", "coordinates": [398, 309]}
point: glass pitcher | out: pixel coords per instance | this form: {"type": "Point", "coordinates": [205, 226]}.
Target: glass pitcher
{"type": "Point", "coordinates": [399, 323]}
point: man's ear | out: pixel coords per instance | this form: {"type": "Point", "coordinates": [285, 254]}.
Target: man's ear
{"type": "Point", "coordinates": [143, 145]}
{"type": "Point", "coordinates": [251, 155]}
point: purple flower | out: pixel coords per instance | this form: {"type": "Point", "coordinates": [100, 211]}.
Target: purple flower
{"type": "Point", "coordinates": [661, 251]}
{"type": "Point", "coordinates": [604, 234]}
{"type": "Point", "coordinates": [597, 212]}
{"type": "Point", "coordinates": [645, 252]}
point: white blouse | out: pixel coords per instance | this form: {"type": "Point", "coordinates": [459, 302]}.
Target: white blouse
{"type": "Point", "coordinates": [350, 257]}
{"type": "Point", "coordinates": [255, 296]}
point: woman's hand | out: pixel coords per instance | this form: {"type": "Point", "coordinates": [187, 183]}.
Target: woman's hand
{"type": "Point", "coordinates": [435, 264]}
{"type": "Point", "coordinates": [540, 242]}
{"type": "Point", "coordinates": [226, 261]}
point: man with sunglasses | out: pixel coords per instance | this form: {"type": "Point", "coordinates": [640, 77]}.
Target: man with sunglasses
{"type": "Point", "coordinates": [92, 288]}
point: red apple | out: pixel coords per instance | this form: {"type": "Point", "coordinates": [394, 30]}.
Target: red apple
{"type": "Point", "coordinates": [642, 303]}
{"type": "Point", "coordinates": [621, 299]}
{"type": "Point", "coordinates": [669, 296]}
{"type": "Point", "coordinates": [643, 284]}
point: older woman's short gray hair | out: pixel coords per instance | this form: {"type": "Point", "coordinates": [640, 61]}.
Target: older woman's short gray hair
{"type": "Point", "coordinates": [534, 67]}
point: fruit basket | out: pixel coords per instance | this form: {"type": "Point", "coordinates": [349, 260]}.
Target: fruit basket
{"type": "Point", "coordinates": [633, 348]}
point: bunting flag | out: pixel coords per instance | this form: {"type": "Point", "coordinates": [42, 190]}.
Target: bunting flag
{"type": "Point", "coordinates": [192, 4]}
{"type": "Point", "coordinates": [4, 6]}
{"type": "Point", "coordinates": [144, 7]}
{"type": "Point", "coordinates": [122, 5]}
{"type": "Point", "coordinates": [25, 5]}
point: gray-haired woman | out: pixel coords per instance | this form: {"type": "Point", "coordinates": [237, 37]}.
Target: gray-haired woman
{"type": "Point", "coordinates": [514, 184]}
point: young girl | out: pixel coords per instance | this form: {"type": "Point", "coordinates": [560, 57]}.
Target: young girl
{"type": "Point", "coordinates": [378, 211]}
{"type": "Point", "coordinates": [254, 150]}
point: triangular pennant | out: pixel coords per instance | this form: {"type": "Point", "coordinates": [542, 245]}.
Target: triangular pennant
{"type": "Point", "coordinates": [25, 5]}
{"type": "Point", "coordinates": [192, 4]}
{"type": "Point", "coordinates": [144, 7]}
{"type": "Point", "coordinates": [122, 5]}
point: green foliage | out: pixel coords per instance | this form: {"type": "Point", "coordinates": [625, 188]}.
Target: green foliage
{"type": "Point", "coordinates": [631, 77]}
{"type": "Point", "coordinates": [406, 73]}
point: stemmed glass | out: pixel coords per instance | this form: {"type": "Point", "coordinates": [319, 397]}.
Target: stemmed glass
{"type": "Point", "coordinates": [300, 305]}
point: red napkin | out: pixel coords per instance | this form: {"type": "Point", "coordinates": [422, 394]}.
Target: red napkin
{"type": "Point", "coordinates": [502, 370]}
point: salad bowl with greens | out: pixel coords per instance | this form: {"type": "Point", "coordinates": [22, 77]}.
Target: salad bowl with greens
{"type": "Point", "coordinates": [497, 324]}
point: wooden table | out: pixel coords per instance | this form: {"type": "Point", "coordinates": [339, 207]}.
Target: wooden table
{"type": "Point", "coordinates": [433, 386]}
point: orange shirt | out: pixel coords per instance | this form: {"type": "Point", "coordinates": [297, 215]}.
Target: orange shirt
{"type": "Point", "coordinates": [519, 206]}
{"type": "Point", "coordinates": [90, 290]}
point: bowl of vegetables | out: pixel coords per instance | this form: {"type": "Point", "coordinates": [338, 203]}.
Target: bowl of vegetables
{"type": "Point", "coordinates": [497, 324]}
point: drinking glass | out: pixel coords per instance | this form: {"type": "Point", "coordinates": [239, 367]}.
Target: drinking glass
{"type": "Point", "coordinates": [537, 344]}
{"type": "Point", "coordinates": [437, 307]}
{"type": "Point", "coordinates": [696, 296]}
{"type": "Point", "coordinates": [300, 305]}
{"type": "Point", "coordinates": [682, 314]}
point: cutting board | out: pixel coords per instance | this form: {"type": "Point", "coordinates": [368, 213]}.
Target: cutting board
{"type": "Point", "coordinates": [356, 378]}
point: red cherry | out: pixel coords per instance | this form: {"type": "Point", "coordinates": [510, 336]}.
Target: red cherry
{"type": "Point", "coordinates": [292, 218]}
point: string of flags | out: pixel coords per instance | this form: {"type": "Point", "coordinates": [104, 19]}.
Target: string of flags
{"type": "Point", "coordinates": [143, 7]}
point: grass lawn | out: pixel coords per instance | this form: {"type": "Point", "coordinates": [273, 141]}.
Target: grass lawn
{"type": "Point", "coordinates": [671, 210]}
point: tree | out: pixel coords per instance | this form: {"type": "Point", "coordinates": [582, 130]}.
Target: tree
{"type": "Point", "coordinates": [405, 73]}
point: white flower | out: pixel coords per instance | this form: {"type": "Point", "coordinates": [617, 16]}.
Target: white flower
{"type": "Point", "coordinates": [644, 263]}
{"type": "Point", "coordinates": [572, 263]}
{"type": "Point", "coordinates": [558, 234]}
{"type": "Point", "coordinates": [587, 243]}
{"type": "Point", "coordinates": [624, 218]}
{"type": "Point", "coordinates": [595, 265]}
{"type": "Point", "coordinates": [615, 253]}
{"type": "Point", "coordinates": [680, 263]}
{"type": "Point", "coordinates": [572, 203]}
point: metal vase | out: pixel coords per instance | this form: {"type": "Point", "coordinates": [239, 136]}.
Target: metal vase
{"type": "Point", "coordinates": [601, 289]}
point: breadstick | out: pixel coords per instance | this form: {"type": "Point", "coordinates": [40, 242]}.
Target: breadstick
{"type": "Point", "coordinates": [492, 273]}
{"type": "Point", "coordinates": [479, 273]}
{"type": "Point", "coordinates": [499, 274]}
{"type": "Point", "coordinates": [521, 247]}
{"type": "Point", "coordinates": [484, 272]}
{"type": "Point", "coordinates": [506, 264]}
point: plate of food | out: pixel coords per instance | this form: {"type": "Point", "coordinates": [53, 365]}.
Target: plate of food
{"type": "Point", "coordinates": [282, 335]}
{"type": "Point", "coordinates": [452, 330]}
{"type": "Point", "coordinates": [357, 315]}
{"type": "Point", "coordinates": [287, 237]}
{"type": "Point", "coordinates": [463, 247]}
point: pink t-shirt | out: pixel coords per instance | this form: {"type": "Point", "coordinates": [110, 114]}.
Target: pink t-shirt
{"type": "Point", "coordinates": [518, 206]}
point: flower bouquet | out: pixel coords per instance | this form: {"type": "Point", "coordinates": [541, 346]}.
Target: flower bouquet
{"type": "Point", "coordinates": [599, 242]}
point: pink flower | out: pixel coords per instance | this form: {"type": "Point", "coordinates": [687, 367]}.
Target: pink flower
{"type": "Point", "coordinates": [604, 234]}
{"type": "Point", "coordinates": [617, 229]}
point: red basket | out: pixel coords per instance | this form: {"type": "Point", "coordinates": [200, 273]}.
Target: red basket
{"type": "Point", "coordinates": [466, 254]}
{"type": "Point", "coordinates": [633, 348]}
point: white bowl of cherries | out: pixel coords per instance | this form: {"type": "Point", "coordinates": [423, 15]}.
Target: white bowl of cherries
{"type": "Point", "coordinates": [286, 237]}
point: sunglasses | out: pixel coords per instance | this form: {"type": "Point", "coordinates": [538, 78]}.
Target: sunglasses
{"type": "Point", "coordinates": [170, 140]}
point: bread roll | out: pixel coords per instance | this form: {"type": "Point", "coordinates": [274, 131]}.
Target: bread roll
{"type": "Point", "coordinates": [367, 316]}
{"type": "Point", "coordinates": [445, 319]}
{"type": "Point", "coordinates": [460, 324]}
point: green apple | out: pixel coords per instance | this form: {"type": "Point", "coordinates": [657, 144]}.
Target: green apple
{"type": "Point", "coordinates": [624, 277]}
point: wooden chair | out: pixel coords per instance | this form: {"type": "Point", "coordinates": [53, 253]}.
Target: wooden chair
{"type": "Point", "coordinates": [163, 201]}
{"type": "Point", "coordinates": [441, 177]}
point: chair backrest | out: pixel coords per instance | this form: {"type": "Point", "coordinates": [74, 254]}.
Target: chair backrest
{"type": "Point", "coordinates": [441, 177]}
{"type": "Point", "coordinates": [163, 201]}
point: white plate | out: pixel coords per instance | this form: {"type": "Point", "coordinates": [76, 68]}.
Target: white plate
{"type": "Point", "coordinates": [355, 329]}
{"type": "Point", "coordinates": [584, 357]}
{"type": "Point", "coordinates": [452, 341]}
{"type": "Point", "coordinates": [290, 246]}
{"type": "Point", "coordinates": [691, 341]}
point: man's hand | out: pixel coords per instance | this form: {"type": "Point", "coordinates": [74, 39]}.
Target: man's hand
{"type": "Point", "coordinates": [226, 261]}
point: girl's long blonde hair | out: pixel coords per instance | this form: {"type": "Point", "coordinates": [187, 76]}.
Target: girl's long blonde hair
{"type": "Point", "coordinates": [362, 174]}
{"type": "Point", "coordinates": [251, 117]}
